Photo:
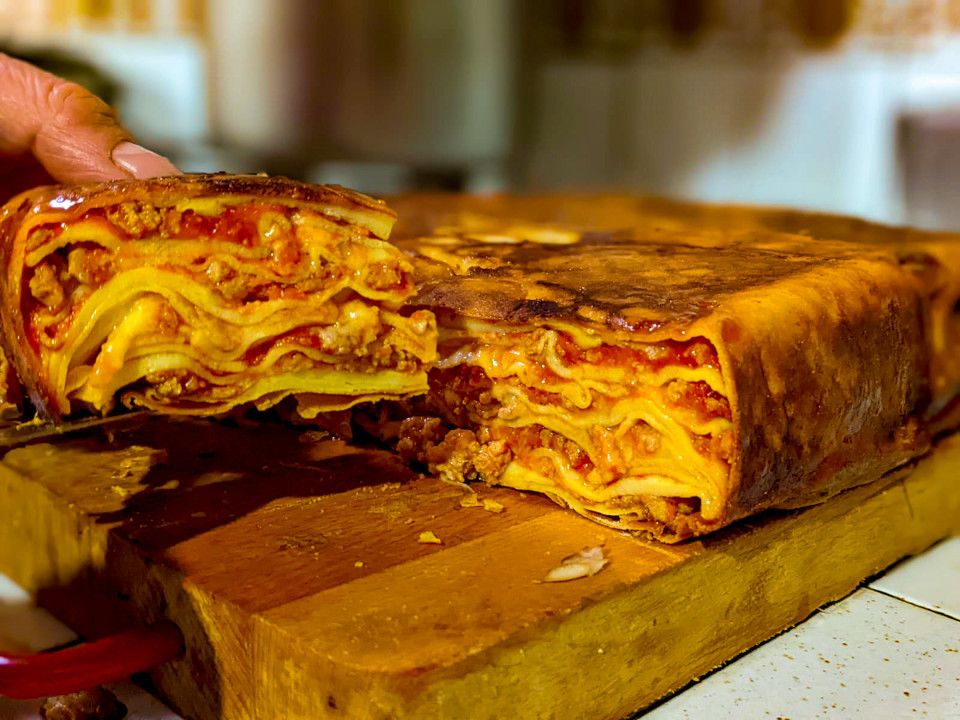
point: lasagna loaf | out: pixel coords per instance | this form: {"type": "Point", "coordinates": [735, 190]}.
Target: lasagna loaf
{"type": "Point", "coordinates": [669, 369]}
{"type": "Point", "coordinates": [197, 294]}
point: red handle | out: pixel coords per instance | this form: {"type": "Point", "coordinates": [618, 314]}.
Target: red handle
{"type": "Point", "coordinates": [90, 664]}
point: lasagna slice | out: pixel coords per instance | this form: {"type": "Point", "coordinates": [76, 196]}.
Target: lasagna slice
{"type": "Point", "coordinates": [198, 294]}
{"type": "Point", "coordinates": [667, 381]}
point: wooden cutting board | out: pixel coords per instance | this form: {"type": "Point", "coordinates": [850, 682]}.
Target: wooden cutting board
{"type": "Point", "coordinates": [294, 570]}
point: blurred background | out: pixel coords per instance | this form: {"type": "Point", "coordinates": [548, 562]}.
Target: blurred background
{"type": "Point", "coordinates": [850, 106]}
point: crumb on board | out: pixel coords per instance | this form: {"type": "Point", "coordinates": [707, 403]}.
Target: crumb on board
{"type": "Point", "coordinates": [428, 537]}
{"type": "Point", "coordinates": [358, 564]}
{"type": "Point", "coordinates": [471, 500]}
{"type": "Point", "coordinates": [121, 491]}
{"type": "Point", "coordinates": [586, 563]}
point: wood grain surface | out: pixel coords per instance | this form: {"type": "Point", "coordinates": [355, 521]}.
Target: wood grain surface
{"type": "Point", "coordinates": [293, 567]}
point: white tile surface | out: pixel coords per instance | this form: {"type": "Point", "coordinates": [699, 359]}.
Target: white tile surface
{"type": "Point", "coordinates": [930, 580]}
{"type": "Point", "coordinates": [25, 627]}
{"type": "Point", "coordinates": [869, 656]}
{"type": "Point", "coordinates": [10, 592]}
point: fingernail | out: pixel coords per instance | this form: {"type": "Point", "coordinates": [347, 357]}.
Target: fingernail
{"type": "Point", "coordinates": [141, 163]}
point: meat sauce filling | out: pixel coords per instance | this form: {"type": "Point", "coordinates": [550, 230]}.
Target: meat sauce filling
{"type": "Point", "coordinates": [60, 284]}
{"type": "Point", "coordinates": [462, 397]}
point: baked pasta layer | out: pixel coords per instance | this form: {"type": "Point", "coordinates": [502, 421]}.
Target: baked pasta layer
{"type": "Point", "coordinates": [202, 293]}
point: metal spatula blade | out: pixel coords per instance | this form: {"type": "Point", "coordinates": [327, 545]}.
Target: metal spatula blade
{"type": "Point", "coordinates": [25, 433]}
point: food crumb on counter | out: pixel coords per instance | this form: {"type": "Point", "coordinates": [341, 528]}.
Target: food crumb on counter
{"type": "Point", "coordinates": [585, 563]}
{"type": "Point", "coordinates": [96, 704]}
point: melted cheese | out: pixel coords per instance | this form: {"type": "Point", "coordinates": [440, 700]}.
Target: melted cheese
{"type": "Point", "coordinates": [96, 231]}
{"type": "Point", "coordinates": [628, 493]}
{"type": "Point", "coordinates": [213, 349]}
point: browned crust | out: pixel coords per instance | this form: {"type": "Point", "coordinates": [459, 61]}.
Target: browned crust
{"type": "Point", "coordinates": [11, 393]}
{"type": "Point", "coordinates": [424, 214]}
{"type": "Point", "coordinates": [169, 190]}
{"type": "Point", "coordinates": [638, 263]}
{"type": "Point", "coordinates": [829, 395]}
{"type": "Point", "coordinates": [654, 281]}
{"type": "Point", "coordinates": [14, 337]}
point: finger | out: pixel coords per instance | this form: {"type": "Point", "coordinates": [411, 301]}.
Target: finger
{"type": "Point", "coordinates": [71, 132]}
{"type": "Point", "coordinates": [140, 162]}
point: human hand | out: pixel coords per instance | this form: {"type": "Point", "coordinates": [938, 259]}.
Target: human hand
{"type": "Point", "coordinates": [52, 130]}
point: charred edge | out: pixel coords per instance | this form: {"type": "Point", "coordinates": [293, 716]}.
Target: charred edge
{"type": "Point", "coordinates": [13, 340]}
{"type": "Point", "coordinates": [917, 258]}
{"type": "Point", "coordinates": [527, 310]}
{"type": "Point", "coordinates": [607, 237]}
{"type": "Point", "coordinates": [186, 186]}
